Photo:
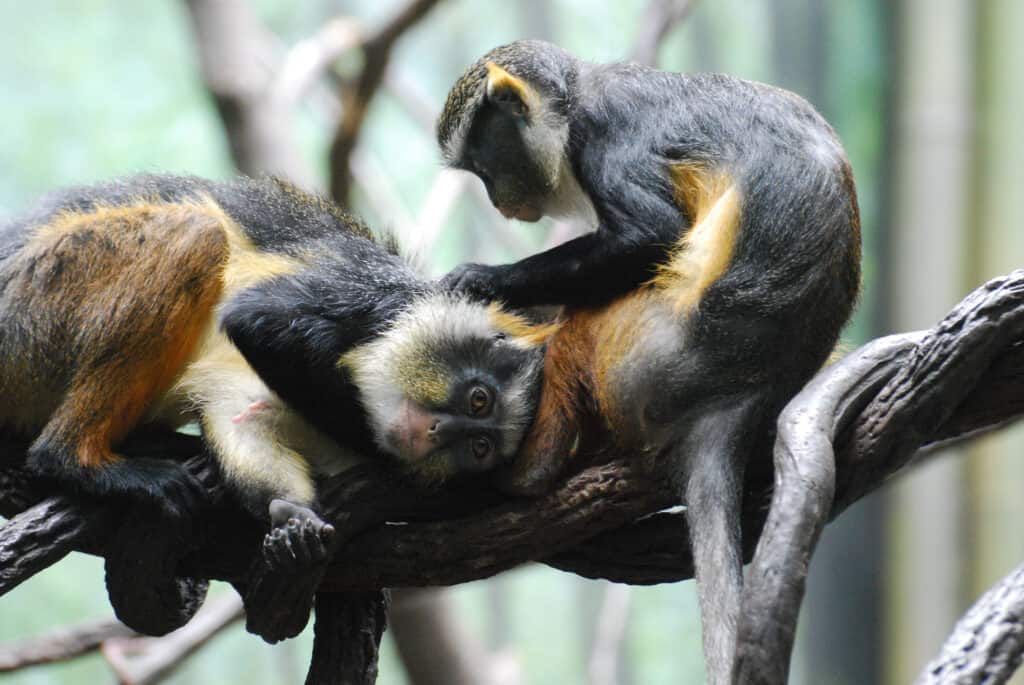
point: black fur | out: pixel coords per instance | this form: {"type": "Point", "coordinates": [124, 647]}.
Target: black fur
{"type": "Point", "coordinates": [626, 125]}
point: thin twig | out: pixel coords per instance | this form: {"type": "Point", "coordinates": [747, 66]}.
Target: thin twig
{"type": "Point", "coordinates": [61, 645]}
{"type": "Point", "coordinates": [144, 660]}
{"type": "Point", "coordinates": [310, 59]}
{"type": "Point", "coordinates": [356, 95]}
{"type": "Point", "coordinates": [660, 17]}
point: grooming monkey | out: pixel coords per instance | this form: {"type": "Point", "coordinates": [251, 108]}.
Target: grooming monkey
{"type": "Point", "coordinates": [271, 317]}
{"type": "Point", "coordinates": [724, 209]}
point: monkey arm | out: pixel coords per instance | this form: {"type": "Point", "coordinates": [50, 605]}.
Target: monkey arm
{"type": "Point", "coordinates": [638, 223]}
{"type": "Point", "coordinates": [585, 271]}
{"type": "Point", "coordinates": [293, 338]}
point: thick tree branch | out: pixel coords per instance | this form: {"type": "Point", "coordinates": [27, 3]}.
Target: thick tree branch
{"type": "Point", "coordinates": [347, 634]}
{"type": "Point", "coordinates": [988, 642]}
{"type": "Point", "coordinates": [43, 535]}
{"type": "Point", "coordinates": [878, 408]}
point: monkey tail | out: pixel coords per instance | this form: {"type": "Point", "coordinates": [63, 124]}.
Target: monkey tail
{"type": "Point", "coordinates": [711, 198]}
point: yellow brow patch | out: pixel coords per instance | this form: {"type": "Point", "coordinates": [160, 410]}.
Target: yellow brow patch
{"type": "Point", "coordinates": [499, 80]}
{"type": "Point", "coordinates": [530, 334]}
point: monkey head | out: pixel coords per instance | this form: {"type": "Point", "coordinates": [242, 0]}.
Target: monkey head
{"type": "Point", "coordinates": [506, 120]}
{"type": "Point", "coordinates": [451, 387]}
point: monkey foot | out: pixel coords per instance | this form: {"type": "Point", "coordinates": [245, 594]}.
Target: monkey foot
{"type": "Point", "coordinates": [299, 538]}
{"type": "Point", "coordinates": [287, 573]}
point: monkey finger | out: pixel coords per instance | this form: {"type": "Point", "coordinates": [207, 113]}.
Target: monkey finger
{"type": "Point", "coordinates": [319, 549]}
{"type": "Point", "coordinates": [327, 535]}
{"type": "Point", "coordinates": [303, 544]}
{"type": "Point", "coordinates": [275, 549]}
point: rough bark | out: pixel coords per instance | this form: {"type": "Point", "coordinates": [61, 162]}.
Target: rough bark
{"type": "Point", "coordinates": [919, 388]}
{"type": "Point", "coordinates": [346, 637]}
{"type": "Point", "coordinates": [988, 642]}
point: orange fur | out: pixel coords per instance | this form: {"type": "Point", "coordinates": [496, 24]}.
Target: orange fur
{"type": "Point", "coordinates": [556, 426]}
{"type": "Point", "coordinates": [521, 329]}
{"type": "Point", "coordinates": [712, 202]}
{"type": "Point", "coordinates": [138, 287]}
{"type": "Point", "coordinates": [586, 351]}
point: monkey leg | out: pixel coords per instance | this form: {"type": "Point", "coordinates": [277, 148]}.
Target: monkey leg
{"type": "Point", "coordinates": [128, 291]}
{"type": "Point", "coordinates": [284, 579]}
{"type": "Point", "coordinates": [248, 430]}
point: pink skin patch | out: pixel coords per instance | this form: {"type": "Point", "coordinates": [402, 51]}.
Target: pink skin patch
{"type": "Point", "coordinates": [251, 411]}
{"type": "Point", "coordinates": [410, 434]}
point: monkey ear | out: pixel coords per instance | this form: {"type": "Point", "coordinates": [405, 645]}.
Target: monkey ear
{"type": "Point", "coordinates": [509, 93]}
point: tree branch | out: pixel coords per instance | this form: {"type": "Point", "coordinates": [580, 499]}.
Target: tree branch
{"type": "Point", "coordinates": [60, 645]}
{"type": "Point", "coordinates": [238, 63]}
{"type": "Point", "coordinates": [888, 400]}
{"type": "Point", "coordinates": [988, 642]}
{"type": "Point", "coordinates": [357, 94]}
{"type": "Point", "coordinates": [140, 660]}
{"type": "Point", "coordinates": [658, 19]}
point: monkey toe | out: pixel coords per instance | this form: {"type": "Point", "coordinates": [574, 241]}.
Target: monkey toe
{"type": "Point", "coordinates": [299, 539]}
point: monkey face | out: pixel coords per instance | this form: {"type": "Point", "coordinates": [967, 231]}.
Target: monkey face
{"type": "Point", "coordinates": [504, 153]}
{"type": "Point", "coordinates": [451, 388]}
{"type": "Point", "coordinates": [466, 434]}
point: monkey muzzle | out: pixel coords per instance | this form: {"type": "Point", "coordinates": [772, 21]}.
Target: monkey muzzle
{"type": "Point", "coordinates": [417, 432]}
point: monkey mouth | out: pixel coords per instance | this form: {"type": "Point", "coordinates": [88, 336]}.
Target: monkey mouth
{"type": "Point", "coordinates": [521, 213]}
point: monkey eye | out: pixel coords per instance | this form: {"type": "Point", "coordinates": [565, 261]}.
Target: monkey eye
{"type": "Point", "coordinates": [509, 101]}
{"type": "Point", "coordinates": [500, 335]}
{"type": "Point", "coordinates": [479, 401]}
{"type": "Point", "coordinates": [481, 447]}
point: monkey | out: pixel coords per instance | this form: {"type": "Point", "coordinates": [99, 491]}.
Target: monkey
{"type": "Point", "coordinates": [725, 261]}
{"type": "Point", "coordinates": [298, 342]}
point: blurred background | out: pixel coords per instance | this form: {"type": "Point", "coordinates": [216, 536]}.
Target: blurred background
{"type": "Point", "coordinates": [340, 96]}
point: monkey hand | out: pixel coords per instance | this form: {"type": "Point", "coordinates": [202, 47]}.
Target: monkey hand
{"type": "Point", "coordinates": [480, 281]}
{"type": "Point", "coordinates": [288, 572]}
